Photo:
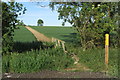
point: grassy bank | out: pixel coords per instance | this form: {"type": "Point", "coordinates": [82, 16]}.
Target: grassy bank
{"type": "Point", "coordinates": [95, 59]}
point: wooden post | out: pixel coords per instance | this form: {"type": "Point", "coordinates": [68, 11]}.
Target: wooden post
{"type": "Point", "coordinates": [52, 39]}
{"type": "Point", "coordinates": [58, 42]}
{"type": "Point", "coordinates": [63, 45]}
{"type": "Point", "coordinates": [106, 48]}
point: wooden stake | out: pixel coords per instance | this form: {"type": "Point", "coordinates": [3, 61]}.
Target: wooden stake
{"type": "Point", "coordinates": [58, 42]}
{"type": "Point", "coordinates": [106, 48]}
{"type": "Point", "coordinates": [63, 46]}
{"type": "Point", "coordinates": [106, 54]}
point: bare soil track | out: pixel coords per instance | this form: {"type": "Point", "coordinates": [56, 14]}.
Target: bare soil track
{"type": "Point", "coordinates": [39, 36]}
{"type": "Point", "coordinates": [57, 74]}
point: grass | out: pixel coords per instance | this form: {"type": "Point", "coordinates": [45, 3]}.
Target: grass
{"type": "Point", "coordinates": [94, 59]}
{"type": "Point", "coordinates": [23, 35]}
{"type": "Point", "coordinates": [29, 56]}
{"type": "Point", "coordinates": [63, 33]}
{"type": "Point", "coordinates": [36, 60]}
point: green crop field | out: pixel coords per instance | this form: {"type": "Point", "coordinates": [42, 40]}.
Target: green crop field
{"type": "Point", "coordinates": [63, 33]}
{"type": "Point", "coordinates": [23, 35]}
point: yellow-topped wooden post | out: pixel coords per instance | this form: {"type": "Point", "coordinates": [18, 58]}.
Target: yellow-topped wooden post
{"type": "Point", "coordinates": [106, 48]}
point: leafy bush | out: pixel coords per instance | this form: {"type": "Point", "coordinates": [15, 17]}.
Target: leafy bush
{"type": "Point", "coordinates": [10, 15]}
{"type": "Point", "coordinates": [51, 59]}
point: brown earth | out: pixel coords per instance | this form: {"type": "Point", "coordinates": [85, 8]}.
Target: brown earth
{"type": "Point", "coordinates": [57, 74]}
{"type": "Point", "coordinates": [39, 36]}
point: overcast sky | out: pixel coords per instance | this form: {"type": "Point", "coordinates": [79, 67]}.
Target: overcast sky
{"type": "Point", "coordinates": [35, 12]}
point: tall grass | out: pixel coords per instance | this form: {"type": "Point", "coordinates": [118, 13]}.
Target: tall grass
{"type": "Point", "coordinates": [113, 62]}
{"type": "Point", "coordinates": [32, 61]}
{"type": "Point", "coordinates": [95, 59]}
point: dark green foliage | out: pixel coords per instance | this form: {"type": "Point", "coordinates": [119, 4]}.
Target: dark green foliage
{"type": "Point", "coordinates": [91, 19]}
{"type": "Point", "coordinates": [10, 12]}
{"type": "Point", "coordinates": [20, 23]}
{"type": "Point", "coordinates": [50, 59]}
{"type": "Point", "coordinates": [40, 22]}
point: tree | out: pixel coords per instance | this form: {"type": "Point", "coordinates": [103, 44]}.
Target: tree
{"type": "Point", "coordinates": [10, 12]}
{"type": "Point", "coordinates": [40, 22]}
{"type": "Point", "coordinates": [91, 19]}
{"type": "Point", "coordinates": [21, 23]}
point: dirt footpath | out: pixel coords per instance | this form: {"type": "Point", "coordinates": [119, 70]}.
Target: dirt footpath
{"type": "Point", "coordinates": [39, 36]}
{"type": "Point", "coordinates": [57, 74]}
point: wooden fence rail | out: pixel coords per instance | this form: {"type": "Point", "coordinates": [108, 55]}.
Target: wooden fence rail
{"type": "Point", "coordinates": [59, 43]}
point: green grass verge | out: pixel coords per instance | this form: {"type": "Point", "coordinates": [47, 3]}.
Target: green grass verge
{"type": "Point", "coordinates": [63, 33]}
{"type": "Point", "coordinates": [95, 59]}
{"type": "Point", "coordinates": [23, 35]}
{"type": "Point", "coordinates": [36, 60]}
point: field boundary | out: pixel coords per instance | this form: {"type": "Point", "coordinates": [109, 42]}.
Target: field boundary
{"type": "Point", "coordinates": [41, 37]}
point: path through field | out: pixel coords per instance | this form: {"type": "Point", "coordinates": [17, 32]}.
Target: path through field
{"type": "Point", "coordinates": [56, 74]}
{"type": "Point", "coordinates": [39, 36]}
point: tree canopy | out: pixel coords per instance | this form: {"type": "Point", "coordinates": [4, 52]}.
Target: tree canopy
{"type": "Point", "coordinates": [91, 19]}
{"type": "Point", "coordinates": [40, 22]}
{"type": "Point", "coordinates": [20, 23]}
{"type": "Point", "coordinates": [10, 12]}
